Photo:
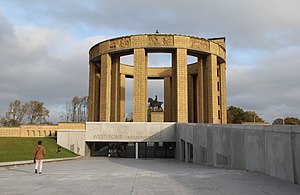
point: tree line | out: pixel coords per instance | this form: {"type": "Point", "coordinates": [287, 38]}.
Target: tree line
{"type": "Point", "coordinates": [76, 110]}
{"type": "Point", "coordinates": [35, 112]}
{"type": "Point", "coordinates": [236, 115]}
{"type": "Point", "coordinates": [32, 112]}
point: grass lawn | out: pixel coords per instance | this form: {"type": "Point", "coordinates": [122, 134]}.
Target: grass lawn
{"type": "Point", "coordinates": [21, 148]}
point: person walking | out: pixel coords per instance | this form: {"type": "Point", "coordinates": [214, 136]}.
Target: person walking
{"type": "Point", "coordinates": [39, 153]}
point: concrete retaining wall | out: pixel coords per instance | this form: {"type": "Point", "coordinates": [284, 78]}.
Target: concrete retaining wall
{"type": "Point", "coordinates": [273, 150]}
{"type": "Point", "coordinates": [73, 140]}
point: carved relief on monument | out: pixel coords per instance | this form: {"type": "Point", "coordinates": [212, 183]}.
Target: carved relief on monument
{"type": "Point", "coordinates": [199, 44]}
{"type": "Point", "coordinates": [120, 43]}
{"type": "Point", "coordinates": [154, 40]}
{"type": "Point", "coordinates": [94, 52]}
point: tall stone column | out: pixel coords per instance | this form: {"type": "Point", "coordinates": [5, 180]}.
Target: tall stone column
{"type": "Point", "coordinates": [115, 84]}
{"type": "Point", "coordinates": [105, 90]}
{"type": "Point", "coordinates": [121, 107]}
{"type": "Point", "coordinates": [167, 99]}
{"type": "Point", "coordinates": [223, 93]}
{"type": "Point", "coordinates": [190, 99]}
{"type": "Point", "coordinates": [97, 96]}
{"type": "Point", "coordinates": [212, 96]}
{"type": "Point", "coordinates": [140, 88]}
{"type": "Point", "coordinates": [92, 92]}
{"type": "Point", "coordinates": [200, 90]}
{"type": "Point", "coordinates": [174, 89]}
{"type": "Point", "coordinates": [180, 88]}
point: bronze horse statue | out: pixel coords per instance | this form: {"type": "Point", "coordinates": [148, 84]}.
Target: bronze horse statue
{"type": "Point", "coordinates": [155, 105]}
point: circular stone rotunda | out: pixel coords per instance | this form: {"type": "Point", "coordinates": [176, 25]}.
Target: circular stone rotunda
{"type": "Point", "coordinates": [194, 93]}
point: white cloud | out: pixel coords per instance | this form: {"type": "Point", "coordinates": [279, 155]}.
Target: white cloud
{"type": "Point", "coordinates": [44, 64]}
{"type": "Point", "coordinates": [271, 87]}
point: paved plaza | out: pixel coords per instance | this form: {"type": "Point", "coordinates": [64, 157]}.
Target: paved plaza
{"type": "Point", "coordinates": [131, 176]}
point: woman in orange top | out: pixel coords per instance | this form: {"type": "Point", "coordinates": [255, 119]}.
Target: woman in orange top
{"type": "Point", "coordinates": [39, 153]}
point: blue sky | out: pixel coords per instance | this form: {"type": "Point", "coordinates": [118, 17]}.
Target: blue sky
{"type": "Point", "coordinates": [44, 46]}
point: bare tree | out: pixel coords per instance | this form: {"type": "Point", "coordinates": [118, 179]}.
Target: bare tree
{"type": "Point", "coordinates": [66, 116]}
{"type": "Point", "coordinates": [15, 115]}
{"type": "Point", "coordinates": [84, 108]}
{"type": "Point", "coordinates": [76, 110]}
{"type": "Point", "coordinates": [36, 112]}
{"type": "Point", "coordinates": [74, 104]}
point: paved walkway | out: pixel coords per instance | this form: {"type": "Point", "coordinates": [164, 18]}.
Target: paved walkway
{"type": "Point", "coordinates": [130, 176]}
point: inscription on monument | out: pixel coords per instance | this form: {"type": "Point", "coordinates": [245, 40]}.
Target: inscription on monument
{"type": "Point", "coordinates": [124, 137]}
{"type": "Point", "coordinates": [107, 137]}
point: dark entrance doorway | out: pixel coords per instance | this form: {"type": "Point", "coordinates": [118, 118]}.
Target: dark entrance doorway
{"type": "Point", "coordinates": [112, 149]}
{"type": "Point", "coordinates": [128, 149]}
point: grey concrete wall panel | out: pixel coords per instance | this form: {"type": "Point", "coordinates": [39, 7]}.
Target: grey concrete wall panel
{"type": "Point", "coordinates": [279, 162]}
{"type": "Point", "coordinates": [73, 140]}
{"type": "Point", "coordinates": [168, 130]}
{"type": "Point", "coordinates": [87, 150]}
{"type": "Point", "coordinates": [238, 149]}
{"type": "Point", "coordinates": [178, 149]}
{"type": "Point", "coordinates": [255, 150]}
{"type": "Point", "coordinates": [210, 146]}
{"type": "Point", "coordinates": [221, 145]}
{"type": "Point", "coordinates": [296, 156]}
{"type": "Point", "coordinates": [200, 144]}
{"type": "Point", "coordinates": [189, 134]}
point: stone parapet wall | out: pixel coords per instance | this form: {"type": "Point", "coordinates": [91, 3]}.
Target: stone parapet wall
{"type": "Point", "coordinates": [71, 126]}
{"type": "Point", "coordinates": [38, 130]}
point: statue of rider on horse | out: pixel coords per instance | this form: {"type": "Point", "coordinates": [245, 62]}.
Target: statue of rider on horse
{"type": "Point", "coordinates": [155, 105]}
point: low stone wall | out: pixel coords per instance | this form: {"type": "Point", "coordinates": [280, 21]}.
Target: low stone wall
{"type": "Point", "coordinates": [273, 150]}
{"type": "Point", "coordinates": [74, 126]}
{"type": "Point", "coordinates": [38, 130]}
{"type": "Point", "coordinates": [10, 132]}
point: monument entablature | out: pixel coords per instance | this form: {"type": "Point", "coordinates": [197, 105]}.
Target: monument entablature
{"type": "Point", "coordinates": [158, 43]}
{"type": "Point", "coordinates": [193, 92]}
